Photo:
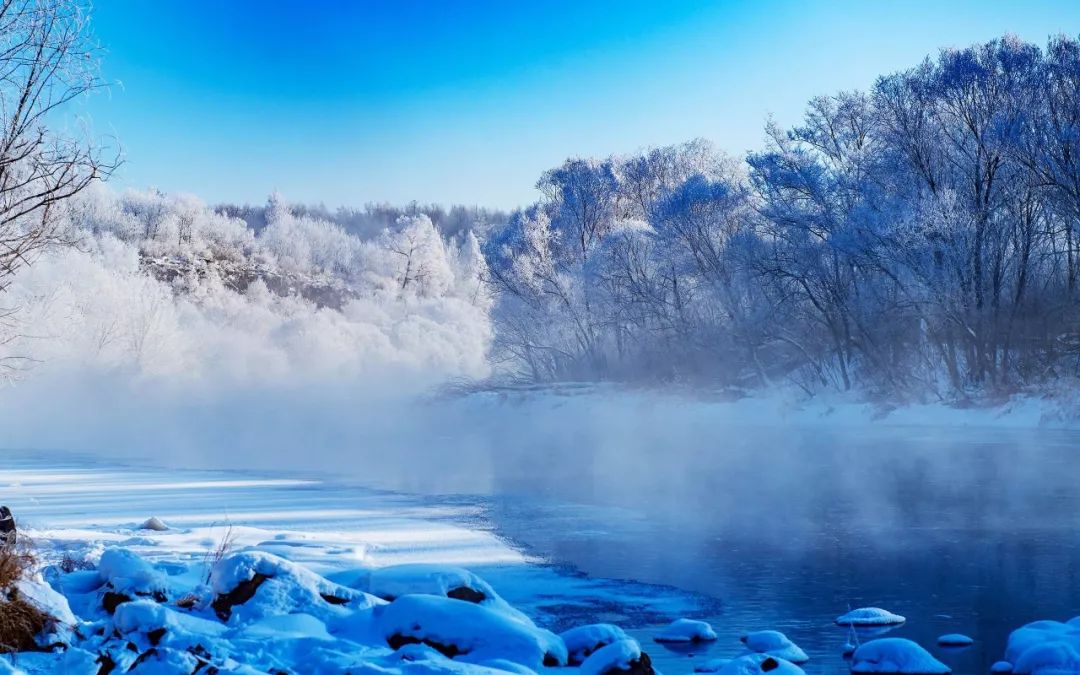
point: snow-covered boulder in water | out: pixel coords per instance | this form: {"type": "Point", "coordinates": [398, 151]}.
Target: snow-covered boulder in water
{"type": "Point", "coordinates": [623, 657]}
{"type": "Point", "coordinates": [1045, 648]}
{"type": "Point", "coordinates": [869, 616]}
{"type": "Point", "coordinates": [896, 656]}
{"type": "Point", "coordinates": [584, 640]}
{"type": "Point", "coordinates": [460, 628]}
{"type": "Point", "coordinates": [686, 630]}
{"type": "Point", "coordinates": [774, 643]}
{"type": "Point", "coordinates": [955, 640]}
{"type": "Point", "coordinates": [755, 664]}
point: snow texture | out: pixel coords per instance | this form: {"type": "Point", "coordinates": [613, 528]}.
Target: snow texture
{"type": "Point", "coordinates": [687, 630]}
{"type": "Point", "coordinates": [774, 643]}
{"type": "Point", "coordinates": [955, 640]}
{"type": "Point", "coordinates": [869, 616]}
{"type": "Point", "coordinates": [895, 656]}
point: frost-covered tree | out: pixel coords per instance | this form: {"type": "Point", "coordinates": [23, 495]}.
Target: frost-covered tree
{"type": "Point", "coordinates": [47, 59]}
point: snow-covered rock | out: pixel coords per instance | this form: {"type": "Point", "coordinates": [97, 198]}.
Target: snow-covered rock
{"type": "Point", "coordinates": [754, 664]}
{"type": "Point", "coordinates": [453, 627]}
{"type": "Point", "coordinates": [774, 643]}
{"type": "Point", "coordinates": [448, 581]}
{"type": "Point", "coordinates": [1001, 667]}
{"type": "Point", "coordinates": [896, 656]}
{"type": "Point", "coordinates": [155, 524]}
{"type": "Point", "coordinates": [126, 576]}
{"type": "Point", "coordinates": [869, 616]}
{"type": "Point", "coordinates": [584, 640]}
{"type": "Point", "coordinates": [955, 640]}
{"type": "Point", "coordinates": [1045, 648]}
{"type": "Point", "coordinates": [256, 584]}
{"type": "Point", "coordinates": [621, 657]}
{"type": "Point", "coordinates": [686, 630]}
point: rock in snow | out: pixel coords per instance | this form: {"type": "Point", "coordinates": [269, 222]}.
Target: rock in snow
{"type": "Point", "coordinates": [584, 640]}
{"type": "Point", "coordinates": [687, 630]}
{"type": "Point", "coordinates": [896, 656]}
{"type": "Point", "coordinates": [622, 657]}
{"type": "Point", "coordinates": [454, 628]}
{"type": "Point", "coordinates": [955, 640]}
{"type": "Point", "coordinates": [154, 523]}
{"type": "Point", "coordinates": [754, 664]}
{"type": "Point", "coordinates": [869, 616]}
{"type": "Point", "coordinates": [774, 643]}
{"type": "Point", "coordinates": [393, 581]}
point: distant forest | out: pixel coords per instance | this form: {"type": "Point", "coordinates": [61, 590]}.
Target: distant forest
{"type": "Point", "coordinates": [919, 237]}
{"type": "Point", "coordinates": [917, 240]}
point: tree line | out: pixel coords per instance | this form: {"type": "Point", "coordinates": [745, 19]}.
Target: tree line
{"type": "Point", "coordinates": [918, 237]}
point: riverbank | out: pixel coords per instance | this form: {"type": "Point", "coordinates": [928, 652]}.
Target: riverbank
{"type": "Point", "coordinates": [78, 514]}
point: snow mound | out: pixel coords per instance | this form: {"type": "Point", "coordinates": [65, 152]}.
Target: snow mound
{"type": "Point", "coordinates": [253, 585]}
{"type": "Point", "coordinates": [584, 640]}
{"type": "Point", "coordinates": [686, 630]}
{"type": "Point", "coordinates": [125, 576]}
{"type": "Point", "coordinates": [869, 616]}
{"type": "Point", "coordinates": [1045, 648]}
{"type": "Point", "coordinates": [1001, 667]}
{"type": "Point", "coordinates": [754, 664]}
{"type": "Point", "coordinates": [622, 656]}
{"type": "Point", "coordinates": [447, 581]}
{"type": "Point", "coordinates": [154, 523]}
{"type": "Point", "coordinates": [955, 640]}
{"type": "Point", "coordinates": [774, 643]}
{"type": "Point", "coordinates": [896, 656]}
{"type": "Point", "coordinates": [457, 628]}
{"type": "Point", "coordinates": [146, 616]}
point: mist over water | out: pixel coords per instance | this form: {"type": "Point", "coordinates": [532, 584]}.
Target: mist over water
{"type": "Point", "coordinates": [788, 524]}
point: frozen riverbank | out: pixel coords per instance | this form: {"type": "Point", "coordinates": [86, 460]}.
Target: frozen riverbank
{"type": "Point", "coordinates": [74, 511]}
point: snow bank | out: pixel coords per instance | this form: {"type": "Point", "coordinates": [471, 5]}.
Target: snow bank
{"type": "Point", "coordinates": [896, 656]}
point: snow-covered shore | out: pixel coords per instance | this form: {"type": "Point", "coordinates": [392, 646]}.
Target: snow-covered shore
{"type": "Point", "coordinates": [317, 540]}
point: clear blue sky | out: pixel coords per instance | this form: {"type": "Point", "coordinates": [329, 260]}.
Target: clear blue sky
{"type": "Point", "coordinates": [467, 102]}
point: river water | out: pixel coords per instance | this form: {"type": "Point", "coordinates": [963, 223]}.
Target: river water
{"type": "Point", "coordinates": [961, 531]}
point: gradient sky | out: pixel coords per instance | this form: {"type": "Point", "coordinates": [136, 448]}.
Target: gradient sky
{"type": "Point", "coordinates": [467, 102]}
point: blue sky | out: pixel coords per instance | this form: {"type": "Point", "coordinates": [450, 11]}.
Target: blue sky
{"type": "Point", "coordinates": [467, 102]}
